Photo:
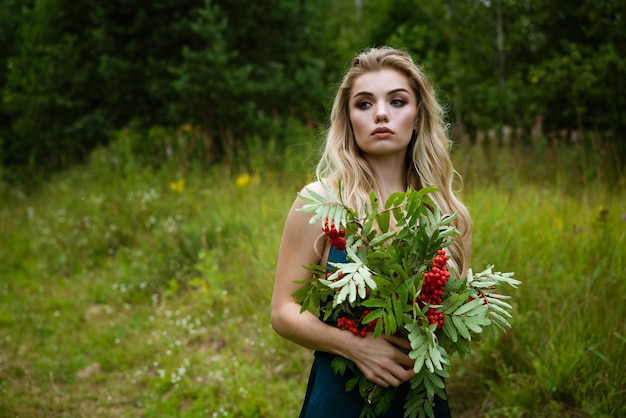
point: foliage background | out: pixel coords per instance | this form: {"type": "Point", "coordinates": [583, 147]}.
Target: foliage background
{"type": "Point", "coordinates": [71, 74]}
{"type": "Point", "coordinates": [150, 151]}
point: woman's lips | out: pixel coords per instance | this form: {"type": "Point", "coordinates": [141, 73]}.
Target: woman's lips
{"type": "Point", "coordinates": [382, 133]}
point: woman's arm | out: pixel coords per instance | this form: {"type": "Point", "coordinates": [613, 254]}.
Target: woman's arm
{"type": "Point", "coordinates": [378, 358]}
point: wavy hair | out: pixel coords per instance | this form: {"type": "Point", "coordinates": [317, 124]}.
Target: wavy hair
{"type": "Point", "coordinates": [427, 162]}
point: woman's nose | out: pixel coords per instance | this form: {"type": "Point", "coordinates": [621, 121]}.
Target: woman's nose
{"type": "Point", "coordinates": [381, 114]}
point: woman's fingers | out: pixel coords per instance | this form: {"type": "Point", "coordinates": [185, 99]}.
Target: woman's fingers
{"type": "Point", "coordinates": [399, 341]}
{"type": "Point", "coordinates": [395, 375]}
{"type": "Point", "coordinates": [384, 363]}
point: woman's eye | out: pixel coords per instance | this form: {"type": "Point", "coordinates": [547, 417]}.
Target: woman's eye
{"type": "Point", "coordinates": [397, 102]}
{"type": "Point", "coordinates": [363, 105]}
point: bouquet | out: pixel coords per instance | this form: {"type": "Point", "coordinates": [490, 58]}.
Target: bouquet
{"type": "Point", "coordinates": [397, 280]}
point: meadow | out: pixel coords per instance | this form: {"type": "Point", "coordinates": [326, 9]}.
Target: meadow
{"type": "Point", "coordinates": [130, 289]}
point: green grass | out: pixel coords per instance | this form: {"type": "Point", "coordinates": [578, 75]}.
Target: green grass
{"type": "Point", "coordinates": [565, 355]}
{"type": "Point", "coordinates": [122, 297]}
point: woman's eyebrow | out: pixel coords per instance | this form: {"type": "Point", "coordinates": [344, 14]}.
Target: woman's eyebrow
{"type": "Point", "coordinates": [389, 93]}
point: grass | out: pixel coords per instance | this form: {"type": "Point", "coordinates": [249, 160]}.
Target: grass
{"type": "Point", "coordinates": [123, 295]}
{"type": "Point", "coordinates": [566, 350]}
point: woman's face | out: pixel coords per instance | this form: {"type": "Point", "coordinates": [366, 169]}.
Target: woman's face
{"type": "Point", "coordinates": [383, 109]}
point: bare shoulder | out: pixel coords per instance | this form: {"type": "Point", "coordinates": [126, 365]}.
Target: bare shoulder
{"type": "Point", "coordinates": [300, 243]}
{"type": "Point", "coordinates": [295, 215]}
{"type": "Point", "coordinates": [316, 186]}
{"type": "Point", "coordinates": [319, 187]}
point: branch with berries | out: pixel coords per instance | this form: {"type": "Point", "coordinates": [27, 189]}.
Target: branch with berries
{"type": "Point", "coordinates": [398, 279]}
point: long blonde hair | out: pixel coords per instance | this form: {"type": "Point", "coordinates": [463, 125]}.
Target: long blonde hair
{"type": "Point", "coordinates": [428, 160]}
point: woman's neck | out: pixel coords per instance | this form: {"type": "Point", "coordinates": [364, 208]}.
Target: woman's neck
{"type": "Point", "coordinates": [390, 175]}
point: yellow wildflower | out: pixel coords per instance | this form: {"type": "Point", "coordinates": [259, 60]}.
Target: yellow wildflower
{"type": "Point", "coordinates": [243, 180]}
{"type": "Point", "coordinates": [178, 186]}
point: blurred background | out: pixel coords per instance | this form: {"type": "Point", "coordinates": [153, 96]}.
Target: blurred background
{"type": "Point", "coordinates": [149, 152]}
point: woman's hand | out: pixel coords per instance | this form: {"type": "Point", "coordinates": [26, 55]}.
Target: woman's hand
{"type": "Point", "coordinates": [381, 359]}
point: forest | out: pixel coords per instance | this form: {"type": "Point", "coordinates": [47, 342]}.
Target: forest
{"type": "Point", "coordinates": [72, 74]}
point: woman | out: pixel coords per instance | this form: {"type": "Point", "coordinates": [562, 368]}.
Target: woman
{"type": "Point", "coordinates": [386, 134]}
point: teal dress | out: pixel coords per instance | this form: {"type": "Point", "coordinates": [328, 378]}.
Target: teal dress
{"type": "Point", "coordinates": [326, 395]}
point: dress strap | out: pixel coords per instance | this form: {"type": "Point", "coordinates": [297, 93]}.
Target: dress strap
{"type": "Point", "coordinates": [337, 256]}
{"type": "Point", "coordinates": [334, 256]}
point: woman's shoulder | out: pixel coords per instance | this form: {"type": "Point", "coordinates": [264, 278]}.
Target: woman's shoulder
{"type": "Point", "coordinates": [320, 187]}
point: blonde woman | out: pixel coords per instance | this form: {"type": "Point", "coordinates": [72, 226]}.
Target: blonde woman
{"type": "Point", "coordinates": [386, 133]}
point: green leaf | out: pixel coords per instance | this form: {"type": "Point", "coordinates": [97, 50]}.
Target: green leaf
{"type": "Point", "coordinates": [497, 301]}
{"type": "Point", "coordinates": [352, 296]}
{"type": "Point", "coordinates": [380, 239]}
{"type": "Point", "coordinates": [468, 306]}
{"type": "Point", "coordinates": [428, 409]}
{"type": "Point", "coordinates": [463, 346]}
{"type": "Point", "coordinates": [391, 326]}
{"type": "Point", "coordinates": [414, 404]}
{"type": "Point", "coordinates": [474, 323]}
{"type": "Point", "coordinates": [499, 320]}
{"type": "Point", "coordinates": [339, 364]}
{"type": "Point", "coordinates": [378, 329]}
{"type": "Point", "coordinates": [382, 219]}
{"type": "Point", "coordinates": [449, 329]}
{"type": "Point", "coordinates": [342, 295]}
{"type": "Point", "coordinates": [331, 216]}
{"type": "Point", "coordinates": [373, 303]}
{"type": "Point", "coordinates": [501, 311]}
{"type": "Point", "coordinates": [398, 308]}
{"type": "Point", "coordinates": [446, 219]}
{"type": "Point", "coordinates": [375, 204]}
{"type": "Point", "coordinates": [453, 302]}
{"type": "Point", "coordinates": [436, 380]}
{"type": "Point", "coordinates": [351, 384]}
{"type": "Point", "coordinates": [313, 196]}
{"type": "Point", "coordinates": [330, 191]}
{"type": "Point", "coordinates": [460, 327]}
{"type": "Point", "coordinates": [308, 208]}
{"type": "Point", "coordinates": [372, 316]}
{"type": "Point", "coordinates": [430, 388]}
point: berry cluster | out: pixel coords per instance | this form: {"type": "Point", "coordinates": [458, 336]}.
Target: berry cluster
{"type": "Point", "coordinates": [336, 237]}
{"type": "Point", "coordinates": [432, 288]}
{"type": "Point", "coordinates": [357, 327]}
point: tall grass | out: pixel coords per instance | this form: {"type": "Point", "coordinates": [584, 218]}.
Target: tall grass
{"type": "Point", "coordinates": [554, 216]}
{"type": "Point", "coordinates": [143, 290]}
